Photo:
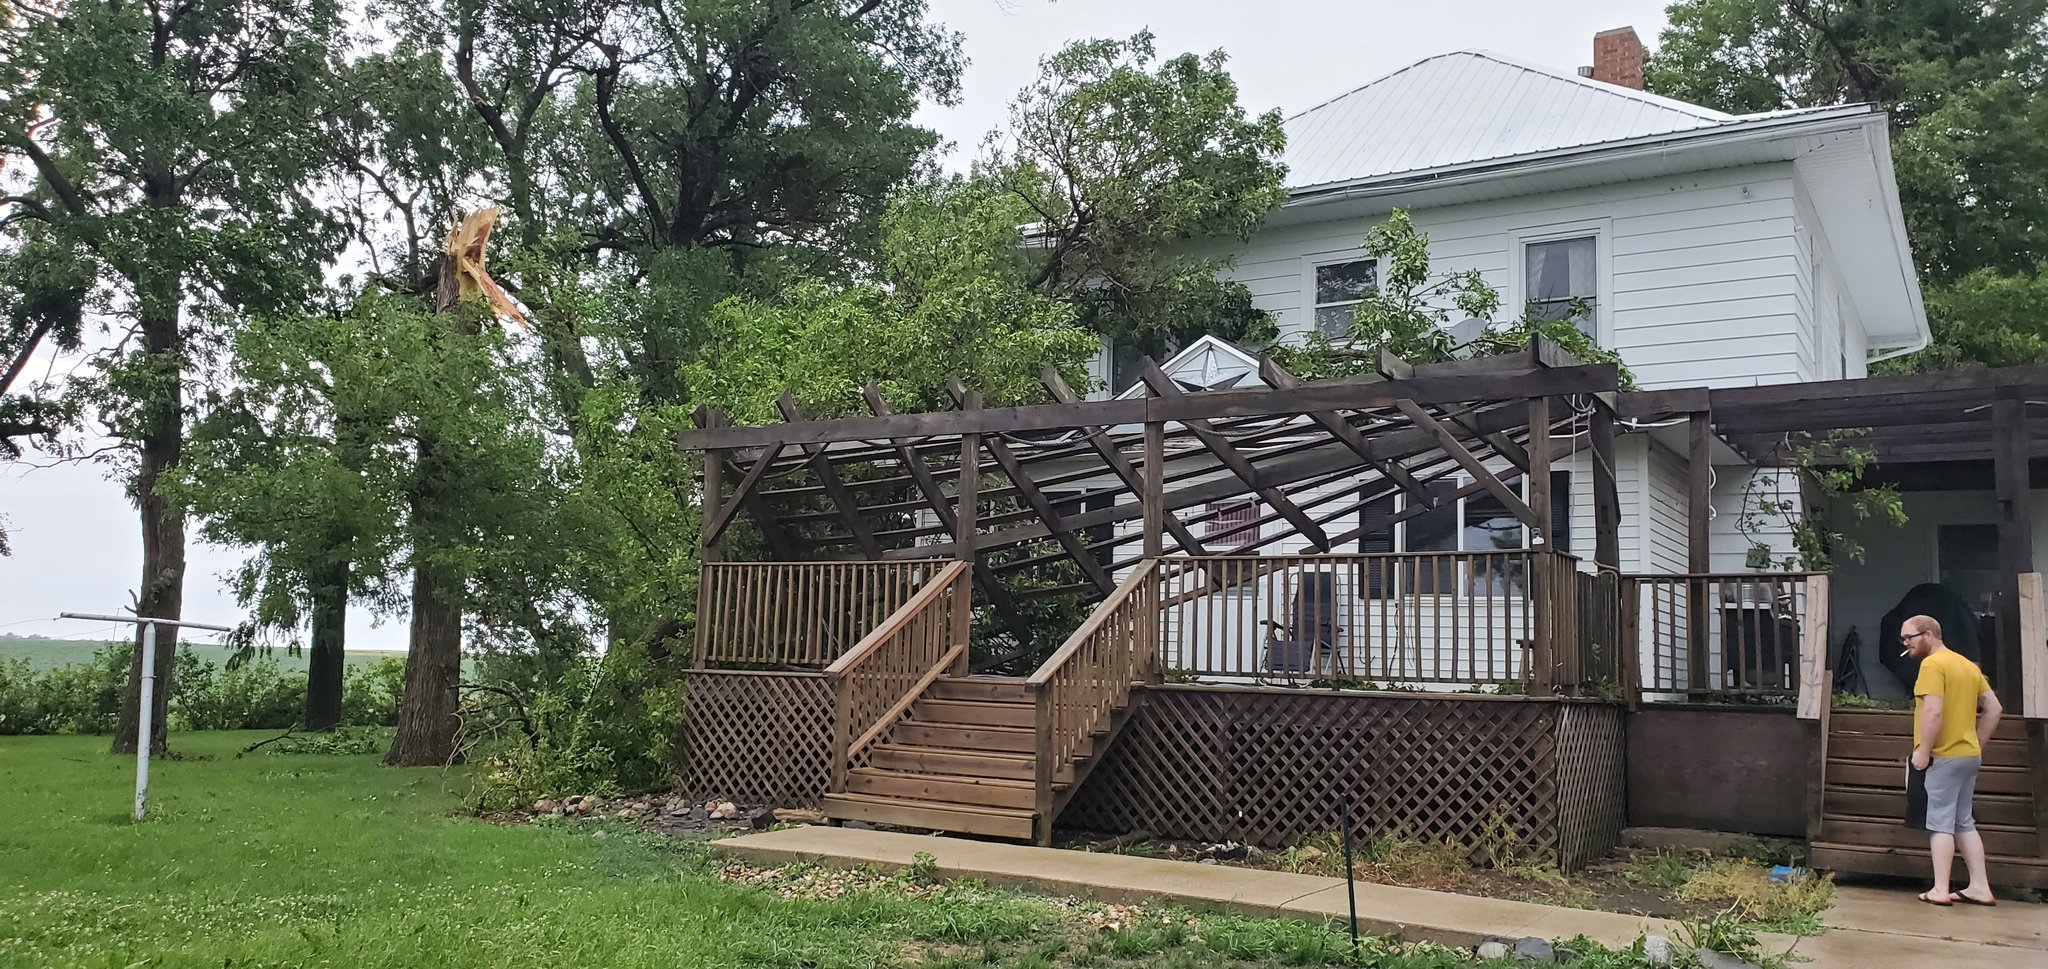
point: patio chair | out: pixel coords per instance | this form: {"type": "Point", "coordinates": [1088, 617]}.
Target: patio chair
{"type": "Point", "coordinates": [1300, 647]}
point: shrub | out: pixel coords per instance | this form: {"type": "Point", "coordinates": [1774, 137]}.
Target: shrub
{"type": "Point", "coordinates": [257, 695]}
{"type": "Point", "coordinates": [77, 698]}
{"type": "Point", "coordinates": [369, 694]}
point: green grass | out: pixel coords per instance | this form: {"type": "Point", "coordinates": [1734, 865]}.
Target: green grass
{"type": "Point", "coordinates": [308, 860]}
{"type": "Point", "coordinates": [44, 654]}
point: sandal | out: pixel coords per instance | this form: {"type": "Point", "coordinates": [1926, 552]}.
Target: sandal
{"type": "Point", "coordinates": [1944, 902]}
{"type": "Point", "coordinates": [1986, 902]}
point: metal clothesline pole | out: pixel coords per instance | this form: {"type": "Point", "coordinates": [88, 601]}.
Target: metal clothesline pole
{"type": "Point", "coordinates": [146, 708]}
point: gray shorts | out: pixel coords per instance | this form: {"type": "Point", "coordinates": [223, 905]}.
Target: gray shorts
{"type": "Point", "coordinates": [1951, 783]}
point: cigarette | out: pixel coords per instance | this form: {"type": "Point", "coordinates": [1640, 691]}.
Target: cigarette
{"type": "Point", "coordinates": [1905, 652]}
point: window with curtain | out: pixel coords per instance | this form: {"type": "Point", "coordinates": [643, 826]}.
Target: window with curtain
{"type": "Point", "coordinates": [1559, 272]}
{"type": "Point", "coordinates": [1340, 287]}
{"type": "Point", "coordinates": [1232, 525]}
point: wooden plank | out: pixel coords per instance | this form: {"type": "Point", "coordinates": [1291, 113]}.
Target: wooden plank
{"type": "Point", "coordinates": [1892, 832]}
{"type": "Point", "coordinates": [1337, 427]}
{"type": "Point", "coordinates": [1152, 499]}
{"type": "Point", "coordinates": [2033, 649]}
{"type": "Point", "coordinates": [1874, 803]}
{"type": "Point", "coordinates": [975, 712]}
{"type": "Point", "coordinates": [1816, 739]}
{"type": "Point", "coordinates": [1990, 780]}
{"type": "Point", "coordinates": [1449, 444]}
{"type": "Point", "coordinates": [915, 734]}
{"type": "Point", "coordinates": [2037, 774]}
{"type": "Point", "coordinates": [1912, 863]}
{"type": "Point", "coordinates": [954, 789]}
{"type": "Point", "coordinates": [1004, 688]}
{"type": "Point", "coordinates": [835, 489]}
{"type": "Point", "coordinates": [2015, 534]}
{"type": "Point", "coordinates": [712, 489]}
{"type": "Point", "coordinates": [1816, 687]}
{"type": "Point", "coordinates": [1699, 504]}
{"type": "Point", "coordinates": [1213, 405]}
{"type": "Point", "coordinates": [1227, 453]}
{"type": "Point", "coordinates": [960, 818]}
{"type": "Point", "coordinates": [1606, 493]}
{"type": "Point", "coordinates": [962, 763]}
{"type": "Point", "coordinates": [2000, 752]}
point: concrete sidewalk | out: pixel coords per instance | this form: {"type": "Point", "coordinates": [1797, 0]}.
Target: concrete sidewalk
{"type": "Point", "coordinates": [1867, 928]}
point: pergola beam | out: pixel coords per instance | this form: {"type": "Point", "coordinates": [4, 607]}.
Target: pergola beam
{"type": "Point", "coordinates": [1113, 458]}
{"type": "Point", "coordinates": [1221, 448]}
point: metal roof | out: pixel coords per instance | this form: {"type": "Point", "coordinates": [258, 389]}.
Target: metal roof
{"type": "Point", "coordinates": [1472, 106]}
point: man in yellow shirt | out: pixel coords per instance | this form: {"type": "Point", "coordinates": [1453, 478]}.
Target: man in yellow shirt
{"type": "Point", "coordinates": [1954, 713]}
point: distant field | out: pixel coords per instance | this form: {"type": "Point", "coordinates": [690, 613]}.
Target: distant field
{"type": "Point", "coordinates": [47, 653]}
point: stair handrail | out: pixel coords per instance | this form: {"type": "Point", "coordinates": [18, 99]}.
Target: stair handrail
{"type": "Point", "coordinates": [879, 679]}
{"type": "Point", "coordinates": [1089, 677]}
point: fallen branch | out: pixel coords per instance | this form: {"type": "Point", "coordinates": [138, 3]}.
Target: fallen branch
{"type": "Point", "coordinates": [288, 731]}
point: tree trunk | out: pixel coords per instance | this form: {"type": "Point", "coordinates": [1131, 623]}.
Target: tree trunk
{"type": "Point", "coordinates": [330, 635]}
{"type": "Point", "coordinates": [426, 710]}
{"type": "Point", "coordinates": [163, 526]}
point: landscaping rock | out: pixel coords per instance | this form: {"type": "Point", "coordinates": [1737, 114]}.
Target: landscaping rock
{"type": "Point", "coordinates": [858, 825]}
{"type": "Point", "coordinates": [599, 833]}
{"type": "Point", "coordinates": [760, 818]}
{"type": "Point", "coordinates": [547, 806]}
{"type": "Point", "coordinates": [1226, 851]}
{"type": "Point", "coordinates": [1534, 950]}
{"type": "Point", "coordinates": [700, 814]}
{"type": "Point", "coordinates": [1659, 951]}
{"type": "Point", "coordinates": [1492, 949]}
{"type": "Point", "coordinates": [1310, 854]}
{"type": "Point", "coordinates": [799, 816]}
{"type": "Point", "coordinates": [725, 811]}
{"type": "Point", "coordinates": [1709, 959]}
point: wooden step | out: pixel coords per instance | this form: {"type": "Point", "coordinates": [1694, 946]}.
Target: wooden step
{"type": "Point", "coordinates": [978, 712]}
{"type": "Point", "coordinates": [2006, 871]}
{"type": "Point", "coordinates": [993, 822]}
{"type": "Point", "coordinates": [1892, 776]}
{"type": "Point", "coordinates": [941, 760]}
{"type": "Point", "coordinates": [979, 688]}
{"type": "Point", "coordinates": [1871, 802]}
{"type": "Point", "coordinates": [1997, 753]}
{"type": "Point", "coordinates": [942, 788]}
{"type": "Point", "coordinates": [960, 737]}
{"type": "Point", "coordinates": [1999, 839]}
{"type": "Point", "coordinates": [1899, 723]}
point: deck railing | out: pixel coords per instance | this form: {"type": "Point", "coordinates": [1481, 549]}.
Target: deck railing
{"type": "Point", "coordinates": [797, 614]}
{"type": "Point", "coordinates": [1735, 634]}
{"type": "Point", "coordinates": [877, 680]}
{"type": "Point", "coordinates": [1409, 618]}
{"type": "Point", "coordinates": [1088, 679]}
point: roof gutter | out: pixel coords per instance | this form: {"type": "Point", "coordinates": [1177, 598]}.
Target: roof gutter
{"type": "Point", "coordinates": [1733, 133]}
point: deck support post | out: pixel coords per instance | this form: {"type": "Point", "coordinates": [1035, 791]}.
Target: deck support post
{"type": "Point", "coordinates": [1546, 586]}
{"type": "Point", "coordinates": [1698, 550]}
{"type": "Point", "coordinates": [712, 492]}
{"type": "Point", "coordinates": [966, 518]}
{"type": "Point", "coordinates": [2015, 536]}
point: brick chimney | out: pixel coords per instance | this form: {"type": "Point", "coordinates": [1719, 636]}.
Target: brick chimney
{"type": "Point", "coordinates": [1617, 58]}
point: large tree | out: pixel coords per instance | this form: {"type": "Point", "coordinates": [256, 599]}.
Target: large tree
{"type": "Point", "coordinates": [1967, 88]}
{"type": "Point", "coordinates": [169, 151]}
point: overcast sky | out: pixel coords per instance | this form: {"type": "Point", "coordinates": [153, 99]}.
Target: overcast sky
{"type": "Point", "coordinates": [76, 544]}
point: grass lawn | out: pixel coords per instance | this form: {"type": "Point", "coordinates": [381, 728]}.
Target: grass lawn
{"type": "Point", "coordinates": [46, 654]}
{"type": "Point", "coordinates": [311, 860]}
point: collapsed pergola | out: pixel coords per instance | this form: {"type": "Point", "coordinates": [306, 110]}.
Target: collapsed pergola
{"type": "Point", "coordinates": [1034, 494]}
{"type": "Point", "coordinates": [1953, 430]}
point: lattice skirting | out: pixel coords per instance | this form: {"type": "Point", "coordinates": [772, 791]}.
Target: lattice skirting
{"type": "Point", "coordinates": [1273, 767]}
{"type": "Point", "coordinates": [758, 737]}
{"type": "Point", "coordinates": [1591, 770]}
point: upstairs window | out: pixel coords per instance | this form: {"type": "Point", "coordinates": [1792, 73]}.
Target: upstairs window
{"type": "Point", "coordinates": [1233, 526]}
{"type": "Point", "coordinates": [1340, 287]}
{"type": "Point", "coordinates": [1560, 272]}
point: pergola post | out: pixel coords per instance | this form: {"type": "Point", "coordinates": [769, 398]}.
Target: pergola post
{"type": "Point", "coordinates": [2015, 534]}
{"type": "Point", "coordinates": [1699, 559]}
{"type": "Point", "coordinates": [1606, 496]}
{"type": "Point", "coordinates": [709, 500]}
{"type": "Point", "coordinates": [966, 517]}
{"type": "Point", "coordinates": [1545, 583]}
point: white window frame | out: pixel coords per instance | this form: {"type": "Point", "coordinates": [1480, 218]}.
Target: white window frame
{"type": "Point", "coordinates": [1465, 587]}
{"type": "Point", "coordinates": [1314, 261]}
{"type": "Point", "coordinates": [1602, 233]}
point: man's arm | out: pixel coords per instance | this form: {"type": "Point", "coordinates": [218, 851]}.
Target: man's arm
{"type": "Point", "coordinates": [1987, 717]}
{"type": "Point", "coordinates": [1930, 725]}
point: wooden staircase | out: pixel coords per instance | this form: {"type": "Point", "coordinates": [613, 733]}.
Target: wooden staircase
{"type": "Point", "coordinates": [1864, 802]}
{"type": "Point", "coordinates": [922, 746]}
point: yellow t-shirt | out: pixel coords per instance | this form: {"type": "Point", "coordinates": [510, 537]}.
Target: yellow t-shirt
{"type": "Point", "coordinates": [1951, 676]}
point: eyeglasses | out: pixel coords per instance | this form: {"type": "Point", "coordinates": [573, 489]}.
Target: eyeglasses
{"type": "Point", "coordinates": [1909, 637]}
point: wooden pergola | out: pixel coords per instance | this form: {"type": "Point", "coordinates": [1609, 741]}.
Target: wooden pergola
{"type": "Point", "coordinates": [1034, 494]}
{"type": "Point", "coordinates": [1952, 430]}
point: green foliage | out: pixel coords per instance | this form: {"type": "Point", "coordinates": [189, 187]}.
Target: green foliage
{"type": "Point", "coordinates": [600, 727]}
{"type": "Point", "coordinates": [244, 696]}
{"type": "Point", "coordinates": [1967, 88]}
{"type": "Point", "coordinates": [74, 698]}
{"type": "Point", "coordinates": [86, 697]}
{"type": "Point", "coordinates": [1120, 158]}
{"type": "Point", "coordinates": [1826, 496]}
{"type": "Point", "coordinates": [1410, 311]}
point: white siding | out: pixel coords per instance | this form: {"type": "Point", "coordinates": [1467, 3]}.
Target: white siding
{"type": "Point", "coordinates": [1709, 279]}
{"type": "Point", "coordinates": [1732, 496]}
{"type": "Point", "coordinates": [1663, 524]}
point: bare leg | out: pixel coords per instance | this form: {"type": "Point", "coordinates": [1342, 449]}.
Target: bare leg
{"type": "Point", "coordinates": [1972, 844]}
{"type": "Point", "coordinates": [1943, 848]}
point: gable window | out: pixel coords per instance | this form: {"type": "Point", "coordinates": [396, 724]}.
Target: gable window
{"type": "Point", "coordinates": [1233, 525]}
{"type": "Point", "coordinates": [1559, 273]}
{"type": "Point", "coordinates": [1339, 288]}
{"type": "Point", "coordinates": [1477, 523]}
